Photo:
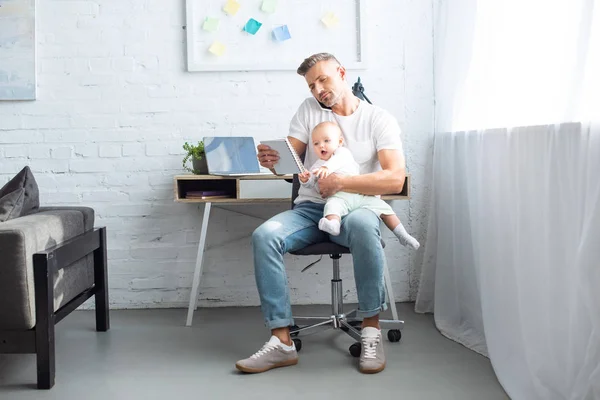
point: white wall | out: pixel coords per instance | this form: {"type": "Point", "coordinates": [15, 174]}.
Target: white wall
{"type": "Point", "coordinates": [115, 105]}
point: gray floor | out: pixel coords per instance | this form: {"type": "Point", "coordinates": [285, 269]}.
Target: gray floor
{"type": "Point", "coordinates": [150, 354]}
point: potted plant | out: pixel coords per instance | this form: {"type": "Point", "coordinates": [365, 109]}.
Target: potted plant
{"type": "Point", "coordinates": [196, 153]}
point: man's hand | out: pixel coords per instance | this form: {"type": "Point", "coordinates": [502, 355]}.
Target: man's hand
{"type": "Point", "coordinates": [330, 185]}
{"type": "Point", "coordinates": [304, 176]}
{"type": "Point", "coordinates": [267, 157]}
{"type": "Point", "coordinates": [322, 172]}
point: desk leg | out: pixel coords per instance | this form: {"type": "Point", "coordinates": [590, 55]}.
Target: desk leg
{"type": "Point", "coordinates": [198, 269]}
{"type": "Point", "coordinates": [390, 290]}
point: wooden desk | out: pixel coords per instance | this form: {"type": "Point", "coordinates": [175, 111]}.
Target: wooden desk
{"type": "Point", "coordinates": [243, 190]}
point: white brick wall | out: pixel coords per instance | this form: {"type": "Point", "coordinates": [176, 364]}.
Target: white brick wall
{"type": "Point", "coordinates": [115, 105]}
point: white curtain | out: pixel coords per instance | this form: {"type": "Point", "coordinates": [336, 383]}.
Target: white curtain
{"type": "Point", "coordinates": [512, 257]}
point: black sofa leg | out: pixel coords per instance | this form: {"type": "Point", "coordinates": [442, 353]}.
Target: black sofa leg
{"type": "Point", "coordinates": [44, 325]}
{"type": "Point", "coordinates": [46, 361]}
{"type": "Point", "coordinates": [101, 284]}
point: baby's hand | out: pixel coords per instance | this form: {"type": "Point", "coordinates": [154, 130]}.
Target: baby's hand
{"type": "Point", "coordinates": [321, 173]}
{"type": "Point", "coordinates": [304, 176]}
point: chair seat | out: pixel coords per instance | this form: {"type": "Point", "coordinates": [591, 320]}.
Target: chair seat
{"type": "Point", "coordinates": [318, 249]}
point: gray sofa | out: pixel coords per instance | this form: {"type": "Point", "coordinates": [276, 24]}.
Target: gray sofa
{"type": "Point", "coordinates": [51, 261]}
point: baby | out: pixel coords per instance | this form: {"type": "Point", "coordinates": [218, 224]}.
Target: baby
{"type": "Point", "coordinates": [327, 143]}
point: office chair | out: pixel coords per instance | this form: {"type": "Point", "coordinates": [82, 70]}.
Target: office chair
{"type": "Point", "coordinates": [347, 322]}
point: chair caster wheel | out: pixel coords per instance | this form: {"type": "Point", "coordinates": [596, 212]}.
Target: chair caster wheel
{"type": "Point", "coordinates": [298, 344]}
{"type": "Point", "coordinates": [294, 327]}
{"type": "Point", "coordinates": [394, 335]}
{"type": "Point", "coordinates": [355, 349]}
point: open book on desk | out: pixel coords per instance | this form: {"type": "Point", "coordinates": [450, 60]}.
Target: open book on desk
{"type": "Point", "coordinates": [289, 161]}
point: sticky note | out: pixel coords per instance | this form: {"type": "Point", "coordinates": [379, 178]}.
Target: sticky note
{"type": "Point", "coordinates": [231, 7]}
{"type": "Point", "coordinates": [210, 24]}
{"type": "Point", "coordinates": [217, 48]}
{"type": "Point", "coordinates": [281, 33]}
{"type": "Point", "coordinates": [269, 6]}
{"type": "Point", "coordinates": [330, 20]}
{"type": "Point", "coordinates": [252, 26]}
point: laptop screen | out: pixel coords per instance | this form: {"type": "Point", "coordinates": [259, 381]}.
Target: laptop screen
{"type": "Point", "coordinates": [235, 155]}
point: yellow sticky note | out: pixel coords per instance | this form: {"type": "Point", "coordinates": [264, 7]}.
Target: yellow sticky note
{"type": "Point", "coordinates": [217, 48]}
{"type": "Point", "coordinates": [269, 6]}
{"type": "Point", "coordinates": [210, 24]}
{"type": "Point", "coordinates": [231, 7]}
{"type": "Point", "coordinates": [330, 20]}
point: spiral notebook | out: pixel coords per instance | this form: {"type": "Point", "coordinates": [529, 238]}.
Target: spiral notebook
{"type": "Point", "coordinates": [289, 161]}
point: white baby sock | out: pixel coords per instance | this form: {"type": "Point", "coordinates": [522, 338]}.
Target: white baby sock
{"type": "Point", "coordinates": [404, 237]}
{"type": "Point", "coordinates": [330, 226]}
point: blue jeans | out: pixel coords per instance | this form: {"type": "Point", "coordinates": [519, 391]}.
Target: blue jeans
{"type": "Point", "coordinates": [297, 228]}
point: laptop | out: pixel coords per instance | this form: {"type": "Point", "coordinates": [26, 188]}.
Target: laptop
{"type": "Point", "coordinates": [232, 156]}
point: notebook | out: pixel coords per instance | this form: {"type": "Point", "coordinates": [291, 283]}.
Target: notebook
{"type": "Point", "coordinates": [232, 156]}
{"type": "Point", "coordinates": [289, 161]}
{"type": "Point", "coordinates": [207, 194]}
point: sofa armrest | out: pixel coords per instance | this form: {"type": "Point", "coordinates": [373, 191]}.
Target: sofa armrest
{"type": "Point", "coordinates": [20, 239]}
{"type": "Point", "coordinates": [88, 214]}
{"type": "Point", "coordinates": [15, 289]}
{"type": "Point", "coordinates": [69, 251]}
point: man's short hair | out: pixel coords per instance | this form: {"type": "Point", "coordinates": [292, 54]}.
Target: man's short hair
{"type": "Point", "coordinates": [310, 62]}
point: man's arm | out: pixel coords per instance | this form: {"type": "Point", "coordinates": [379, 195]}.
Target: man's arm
{"type": "Point", "coordinates": [390, 180]}
{"type": "Point", "coordinates": [297, 145]}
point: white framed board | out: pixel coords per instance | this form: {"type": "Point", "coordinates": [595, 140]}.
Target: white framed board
{"type": "Point", "coordinates": [18, 79]}
{"type": "Point", "coordinates": [246, 35]}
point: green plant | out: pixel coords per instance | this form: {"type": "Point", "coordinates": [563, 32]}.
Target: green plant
{"type": "Point", "coordinates": [192, 151]}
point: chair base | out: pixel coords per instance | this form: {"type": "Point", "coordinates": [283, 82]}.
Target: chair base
{"type": "Point", "coordinates": [338, 319]}
{"type": "Point", "coordinates": [346, 322]}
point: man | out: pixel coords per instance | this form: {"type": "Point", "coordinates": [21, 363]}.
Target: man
{"type": "Point", "coordinates": [373, 137]}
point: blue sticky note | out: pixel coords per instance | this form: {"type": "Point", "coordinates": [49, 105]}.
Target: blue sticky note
{"type": "Point", "coordinates": [281, 33]}
{"type": "Point", "coordinates": [252, 26]}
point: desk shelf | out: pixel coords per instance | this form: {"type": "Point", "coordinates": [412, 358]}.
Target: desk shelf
{"type": "Point", "coordinates": [249, 189]}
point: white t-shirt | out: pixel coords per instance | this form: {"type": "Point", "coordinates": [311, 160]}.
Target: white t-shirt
{"type": "Point", "coordinates": [366, 131]}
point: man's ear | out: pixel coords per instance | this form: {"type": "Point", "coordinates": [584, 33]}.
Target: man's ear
{"type": "Point", "coordinates": [342, 72]}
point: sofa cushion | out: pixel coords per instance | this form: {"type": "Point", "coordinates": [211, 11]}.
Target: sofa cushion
{"type": "Point", "coordinates": [11, 205]}
{"type": "Point", "coordinates": [22, 237]}
{"type": "Point", "coordinates": [20, 196]}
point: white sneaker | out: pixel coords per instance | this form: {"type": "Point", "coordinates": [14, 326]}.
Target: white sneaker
{"type": "Point", "coordinates": [372, 357]}
{"type": "Point", "coordinates": [271, 355]}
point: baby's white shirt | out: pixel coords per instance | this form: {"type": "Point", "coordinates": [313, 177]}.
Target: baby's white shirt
{"type": "Point", "coordinates": [341, 162]}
